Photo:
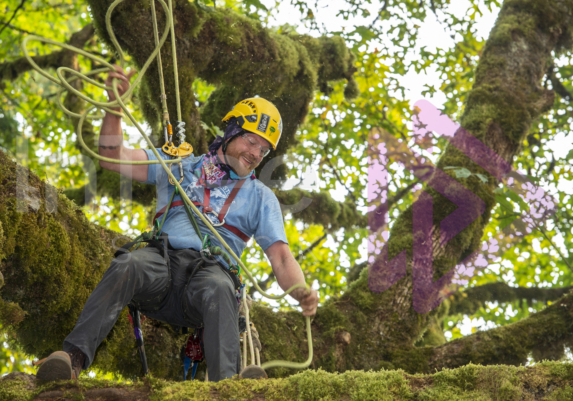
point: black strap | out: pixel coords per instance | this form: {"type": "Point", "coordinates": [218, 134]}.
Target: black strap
{"type": "Point", "coordinates": [152, 242]}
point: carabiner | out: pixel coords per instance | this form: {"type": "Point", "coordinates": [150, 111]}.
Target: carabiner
{"type": "Point", "coordinates": [180, 173]}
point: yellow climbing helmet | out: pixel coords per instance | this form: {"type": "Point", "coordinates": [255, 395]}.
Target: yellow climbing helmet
{"type": "Point", "coordinates": [260, 117]}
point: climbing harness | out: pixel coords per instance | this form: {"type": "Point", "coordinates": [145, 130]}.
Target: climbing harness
{"type": "Point", "coordinates": [177, 153]}
{"type": "Point", "coordinates": [209, 210]}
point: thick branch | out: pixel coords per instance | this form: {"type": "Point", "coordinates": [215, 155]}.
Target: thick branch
{"type": "Point", "coordinates": [13, 69]}
{"type": "Point", "coordinates": [310, 207]}
{"type": "Point", "coordinates": [557, 85]}
{"type": "Point", "coordinates": [108, 184]}
{"type": "Point", "coordinates": [550, 380]}
{"type": "Point", "coordinates": [320, 208]}
{"type": "Point", "coordinates": [545, 334]}
{"type": "Point", "coordinates": [469, 301]}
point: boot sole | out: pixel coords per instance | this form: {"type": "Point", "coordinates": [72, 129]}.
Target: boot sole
{"type": "Point", "coordinates": [253, 372]}
{"type": "Point", "coordinates": [55, 368]}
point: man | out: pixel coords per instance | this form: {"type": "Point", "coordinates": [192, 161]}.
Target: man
{"type": "Point", "coordinates": [159, 281]}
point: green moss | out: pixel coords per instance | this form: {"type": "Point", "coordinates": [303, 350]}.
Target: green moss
{"type": "Point", "coordinates": [283, 336]}
{"type": "Point", "coordinates": [471, 299]}
{"type": "Point", "coordinates": [2, 239]}
{"type": "Point", "coordinates": [10, 314]}
{"type": "Point", "coordinates": [472, 382]}
{"type": "Point", "coordinates": [17, 389]}
{"type": "Point", "coordinates": [21, 387]}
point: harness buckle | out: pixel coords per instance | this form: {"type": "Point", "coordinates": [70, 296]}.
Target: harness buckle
{"type": "Point", "coordinates": [206, 255]}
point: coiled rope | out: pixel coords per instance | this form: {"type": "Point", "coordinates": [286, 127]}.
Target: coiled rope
{"type": "Point", "coordinates": [120, 101]}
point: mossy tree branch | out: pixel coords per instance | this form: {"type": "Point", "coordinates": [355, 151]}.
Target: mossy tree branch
{"type": "Point", "coordinates": [547, 380]}
{"type": "Point", "coordinates": [472, 299]}
{"type": "Point", "coordinates": [545, 335]}
{"type": "Point", "coordinates": [108, 184]}
{"type": "Point", "coordinates": [317, 207]}
{"type": "Point", "coordinates": [322, 209]}
{"type": "Point", "coordinates": [233, 52]}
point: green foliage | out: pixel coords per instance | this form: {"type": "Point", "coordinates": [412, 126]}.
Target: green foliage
{"type": "Point", "coordinates": [330, 139]}
{"type": "Point", "coordinates": [11, 358]}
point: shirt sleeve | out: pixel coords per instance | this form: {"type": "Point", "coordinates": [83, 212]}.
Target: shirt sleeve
{"type": "Point", "coordinates": [270, 227]}
{"type": "Point", "coordinates": [155, 172]}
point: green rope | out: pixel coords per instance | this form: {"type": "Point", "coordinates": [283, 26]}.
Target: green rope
{"type": "Point", "coordinates": [166, 211]}
{"type": "Point", "coordinates": [159, 65]}
{"type": "Point", "coordinates": [175, 72]}
{"type": "Point", "coordinates": [120, 101]}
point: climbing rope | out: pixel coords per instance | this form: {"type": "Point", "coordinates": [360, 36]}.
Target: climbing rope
{"type": "Point", "coordinates": [182, 151]}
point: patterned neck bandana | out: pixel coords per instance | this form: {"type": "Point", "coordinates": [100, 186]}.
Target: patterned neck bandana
{"type": "Point", "coordinates": [214, 172]}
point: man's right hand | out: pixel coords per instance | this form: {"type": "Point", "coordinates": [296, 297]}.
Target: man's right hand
{"type": "Point", "coordinates": [122, 86]}
{"type": "Point", "coordinates": [111, 137]}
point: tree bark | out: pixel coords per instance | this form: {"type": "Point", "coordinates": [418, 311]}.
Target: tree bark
{"type": "Point", "coordinates": [52, 260]}
{"type": "Point", "coordinates": [470, 300]}
{"type": "Point", "coordinates": [543, 335]}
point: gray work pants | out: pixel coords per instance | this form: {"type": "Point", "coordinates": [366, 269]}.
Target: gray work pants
{"type": "Point", "coordinates": [208, 300]}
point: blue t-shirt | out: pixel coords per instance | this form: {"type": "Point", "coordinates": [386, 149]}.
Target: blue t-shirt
{"type": "Point", "coordinates": [255, 210]}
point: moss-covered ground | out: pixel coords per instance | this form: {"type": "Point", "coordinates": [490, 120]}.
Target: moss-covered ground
{"type": "Point", "coordinates": [544, 381]}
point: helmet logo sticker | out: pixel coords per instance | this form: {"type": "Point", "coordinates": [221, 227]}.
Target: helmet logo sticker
{"type": "Point", "coordinates": [264, 123]}
{"type": "Point", "coordinates": [273, 129]}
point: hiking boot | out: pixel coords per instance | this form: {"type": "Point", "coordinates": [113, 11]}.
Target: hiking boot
{"type": "Point", "coordinates": [253, 372]}
{"type": "Point", "coordinates": [61, 365]}
{"type": "Point", "coordinates": [58, 366]}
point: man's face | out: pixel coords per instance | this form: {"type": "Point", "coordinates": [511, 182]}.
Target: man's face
{"type": "Point", "coordinates": [244, 153]}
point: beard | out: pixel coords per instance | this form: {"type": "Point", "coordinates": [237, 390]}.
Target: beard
{"type": "Point", "coordinates": [242, 163]}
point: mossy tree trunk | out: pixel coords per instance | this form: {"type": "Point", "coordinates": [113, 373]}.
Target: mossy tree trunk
{"type": "Point", "coordinates": [51, 260]}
